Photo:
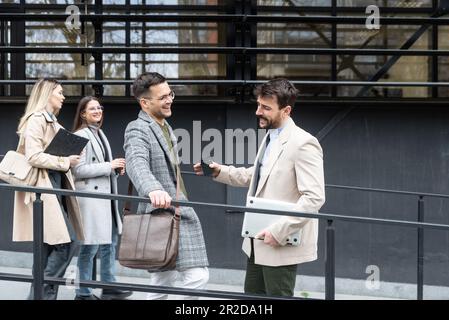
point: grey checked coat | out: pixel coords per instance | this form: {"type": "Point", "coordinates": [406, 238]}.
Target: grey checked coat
{"type": "Point", "coordinates": [149, 168]}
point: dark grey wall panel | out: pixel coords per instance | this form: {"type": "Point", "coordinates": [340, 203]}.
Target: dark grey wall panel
{"type": "Point", "coordinates": [396, 148]}
{"type": "Point", "coordinates": [392, 148]}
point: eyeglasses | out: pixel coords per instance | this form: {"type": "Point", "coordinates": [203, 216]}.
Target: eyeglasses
{"type": "Point", "coordinates": [100, 108]}
{"type": "Point", "coordinates": [164, 97]}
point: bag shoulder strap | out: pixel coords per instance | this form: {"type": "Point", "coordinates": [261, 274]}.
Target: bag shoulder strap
{"type": "Point", "coordinates": [127, 207]}
{"type": "Point", "coordinates": [21, 138]}
{"type": "Point", "coordinates": [20, 142]}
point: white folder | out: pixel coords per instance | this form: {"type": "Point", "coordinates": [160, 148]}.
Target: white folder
{"type": "Point", "coordinates": [253, 222]}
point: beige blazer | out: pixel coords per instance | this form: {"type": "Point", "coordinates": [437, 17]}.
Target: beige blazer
{"type": "Point", "coordinates": [40, 130]}
{"type": "Point", "coordinates": [294, 174]}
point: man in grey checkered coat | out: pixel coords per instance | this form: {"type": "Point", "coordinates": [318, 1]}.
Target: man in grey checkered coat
{"type": "Point", "coordinates": [152, 163]}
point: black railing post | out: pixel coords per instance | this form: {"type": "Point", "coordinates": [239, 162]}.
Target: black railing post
{"type": "Point", "coordinates": [434, 60]}
{"type": "Point", "coordinates": [38, 252]}
{"type": "Point", "coordinates": [98, 56]}
{"type": "Point", "coordinates": [334, 45]}
{"type": "Point", "coordinates": [94, 267]}
{"type": "Point", "coordinates": [330, 262]}
{"type": "Point", "coordinates": [420, 270]}
{"type": "Point", "coordinates": [128, 44]}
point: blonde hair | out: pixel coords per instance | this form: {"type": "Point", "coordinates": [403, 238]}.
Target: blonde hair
{"type": "Point", "coordinates": [38, 100]}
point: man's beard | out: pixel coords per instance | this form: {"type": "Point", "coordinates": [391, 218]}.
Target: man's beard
{"type": "Point", "coordinates": [270, 123]}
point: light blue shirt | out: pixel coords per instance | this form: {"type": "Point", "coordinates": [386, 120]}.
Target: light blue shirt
{"type": "Point", "coordinates": [274, 135]}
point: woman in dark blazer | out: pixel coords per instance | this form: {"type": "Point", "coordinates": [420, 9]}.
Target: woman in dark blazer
{"type": "Point", "coordinates": [97, 172]}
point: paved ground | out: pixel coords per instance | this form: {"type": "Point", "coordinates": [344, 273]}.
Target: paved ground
{"type": "Point", "coordinates": [19, 290]}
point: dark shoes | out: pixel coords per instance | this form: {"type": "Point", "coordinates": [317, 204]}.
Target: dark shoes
{"type": "Point", "coordinates": [115, 294]}
{"type": "Point", "coordinates": [91, 297]}
{"type": "Point", "coordinates": [107, 294]}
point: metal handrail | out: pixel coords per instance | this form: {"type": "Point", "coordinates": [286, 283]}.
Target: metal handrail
{"type": "Point", "coordinates": [220, 8]}
{"type": "Point", "coordinates": [225, 18]}
{"type": "Point", "coordinates": [234, 208]}
{"type": "Point", "coordinates": [39, 279]}
{"type": "Point", "coordinates": [379, 190]}
{"type": "Point", "coordinates": [244, 82]}
{"type": "Point", "coordinates": [222, 50]}
{"type": "Point", "coordinates": [145, 288]}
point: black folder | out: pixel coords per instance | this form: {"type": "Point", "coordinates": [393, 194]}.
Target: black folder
{"type": "Point", "coordinates": [65, 144]}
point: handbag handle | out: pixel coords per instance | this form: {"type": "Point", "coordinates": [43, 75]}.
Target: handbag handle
{"type": "Point", "coordinates": [21, 140]}
{"type": "Point", "coordinates": [127, 207]}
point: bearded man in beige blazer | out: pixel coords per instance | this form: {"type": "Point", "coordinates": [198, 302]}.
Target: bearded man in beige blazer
{"type": "Point", "coordinates": [288, 167]}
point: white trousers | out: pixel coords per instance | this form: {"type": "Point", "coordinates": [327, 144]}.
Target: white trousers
{"type": "Point", "coordinates": [192, 278]}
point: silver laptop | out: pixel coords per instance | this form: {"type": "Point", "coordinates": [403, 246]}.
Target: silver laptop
{"type": "Point", "coordinates": [253, 222]}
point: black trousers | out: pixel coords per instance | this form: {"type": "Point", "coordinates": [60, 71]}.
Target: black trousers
{"type": "Point", "coordinates": [57, 257]}
{"type": "Point", "coordinates": [56, 260]}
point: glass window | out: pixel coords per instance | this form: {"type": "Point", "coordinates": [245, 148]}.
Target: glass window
{"type": "Point", "coordinates": [295, 66]}
{"type": "Point", "coordinates": [294, 2]}
{"type": "Point", "coordinates": [443, 62]}
{"type": "Point", "coordinates": [150, 34]}
{"type": "Point", "coordinates": [213, 66]}
{"type": "Point", "coordinates": [384, 3]}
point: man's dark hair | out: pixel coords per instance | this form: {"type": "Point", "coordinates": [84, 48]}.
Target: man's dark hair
{"type": "Point", "coordinates": [281, 88]}
{"type": "Point", "coordinates": [144, 81]}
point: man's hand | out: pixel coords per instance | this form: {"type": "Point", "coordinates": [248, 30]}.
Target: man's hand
{"type": "Point", "coordinates": [199, 171]}
{"type": "Point", "coordinates": [160, 199]}
{"type": "Point", "coordinates": [267, 238]}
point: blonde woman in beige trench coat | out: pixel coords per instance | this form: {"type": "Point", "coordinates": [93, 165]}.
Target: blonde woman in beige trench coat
{"type": "Point", "coordinates": [62, 220]}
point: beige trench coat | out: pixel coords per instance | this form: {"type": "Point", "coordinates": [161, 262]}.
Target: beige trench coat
{"type": "Point", "coordinates": [40, 130]}
{"type": "Point", "coordinates": [294, 174]}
